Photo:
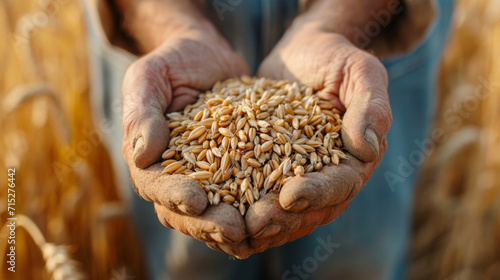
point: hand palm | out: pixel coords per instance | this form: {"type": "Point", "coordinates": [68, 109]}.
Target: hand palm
{"type": "Point", "coordinates": [353, 81]}
{"type": "Point", "coordinates": [168, 79]}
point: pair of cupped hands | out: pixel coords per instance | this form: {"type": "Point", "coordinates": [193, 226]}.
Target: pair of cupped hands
{"type": "Point", "coordinates": [173, 74]}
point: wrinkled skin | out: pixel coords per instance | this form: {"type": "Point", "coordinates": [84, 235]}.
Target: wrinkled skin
{"type": "Point", "coordinates": [166, 80]}
{"type": "Point", "coordinates": [171, 77]}
{"type": "Point", "coordinates": [352, 80]}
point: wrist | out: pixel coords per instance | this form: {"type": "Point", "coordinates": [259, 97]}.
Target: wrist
{"type": "Point", "coordinates": [307, 30]}
{"type": "Point", "coordinates": [151, 22]}
{"type": "Point", "coordinates": [361, 22]}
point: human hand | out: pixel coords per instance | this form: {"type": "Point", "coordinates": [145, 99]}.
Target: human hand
{"type": "Point", "coordinates": [355, 82]}
{"type": "Point", "coordinates": [165, 80]}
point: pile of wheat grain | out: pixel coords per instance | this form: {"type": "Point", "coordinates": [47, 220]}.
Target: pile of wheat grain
{"type": "Point", "coordinates": [249, 136]}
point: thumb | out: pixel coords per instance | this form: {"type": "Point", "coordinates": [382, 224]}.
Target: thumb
{"type": "Point", "coordinates": [272, 67]}
{"type": "Point", "coordinates": [146, 96]}
{"type": "Point", "coordinates": [368, 114]}
{"type": "Point", "coordinates": [149, 138]}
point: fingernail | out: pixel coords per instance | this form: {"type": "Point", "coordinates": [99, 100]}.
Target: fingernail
{"type": "Point", "coordinates": [138, 146]}
{"type": "Point", "coordinates": [184, 209]}
{"type": "Point", "coordinates": [372, 139]}
{"type": "Point", "coordinates": [139, 143]}
{"type": "Point", "coordinates": [268, 231]}
{"type": "Point", "coordinates": [298, 205]}
{"type": "Point", "coordinates": [220, 238]}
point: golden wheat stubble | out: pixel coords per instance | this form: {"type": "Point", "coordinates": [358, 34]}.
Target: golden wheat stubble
{"type": "Point", "coordinates": [248, 136]}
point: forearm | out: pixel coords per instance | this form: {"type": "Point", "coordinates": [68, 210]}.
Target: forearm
{"type": "Point", "coordinates": [351, 18]}
{"type": "Point", "coordinates": [151, 22]}
{"type": "Point", "coordinates": [383, 27]}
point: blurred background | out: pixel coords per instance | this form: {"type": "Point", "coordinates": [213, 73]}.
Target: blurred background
{"type": "Point", "coordinates": [73, 221]}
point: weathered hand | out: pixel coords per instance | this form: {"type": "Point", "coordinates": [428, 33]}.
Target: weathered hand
{"type": "Point", "coordinates": [168, 79]}
{"type": "Point", "coordinates": [353, 81]}
{"type": "Point", "coordinates": [165, 80]}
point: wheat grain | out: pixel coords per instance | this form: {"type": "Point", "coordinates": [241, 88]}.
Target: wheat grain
{"type": "Point", "coordinates": [249, 136]}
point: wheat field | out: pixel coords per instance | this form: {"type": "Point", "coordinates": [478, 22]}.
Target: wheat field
{"type": "Point", "coordinates": [72, 220]}
{"type": "Point", "coordinates": [65, 186]}
{"type": "Point", "coordinates": [457, 207]}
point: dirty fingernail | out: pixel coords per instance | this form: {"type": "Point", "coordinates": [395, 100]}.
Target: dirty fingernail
{"type": "Point", "coordinates": [298, 205]}
{"type": "Point", "coordinates": [268, 231]}
{"type": "Point", "coordinates": [138, 145]}
{"type": "Point", "coordinates": [184, 209]}
{"type": "Point", "coordinates": [220, 238]}
{"type": "Point", "coordinates": [372, 139]}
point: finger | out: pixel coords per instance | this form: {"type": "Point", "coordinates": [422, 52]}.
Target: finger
{"type": "Point", "coordinates": [214, 246]}
{"type": "Point", "coordinates": [265, 218]}
{"type": "Point", "coordinates": [146, 96]}
{"type": "Point", "coordinates": [182, 96]}
{"type": "Point", "coordinates": [268, 223]}
{"type": "Point", "coordinates": [333, 185]}
{"type": "Point", "coordinates": [332, 98]}
{"type": "Point", "coordinates": [334, 212]}
{"type": "Point", "coordinates": [368, 115]}
{"type": "Point", "coordinates": [301, 233]}
{"type": "Point", "coordinates": [176, 192]}
{"type": "Point", "coordinates": [261, 245]}
{"type": "Point", "coordinates": [241, 250]}
{"type": "Point", "coordinates": [309, 221]}
{"type": "Point", "coordinates": [221, 224]}
{"type": "Point", "coordinates": [272, 68]}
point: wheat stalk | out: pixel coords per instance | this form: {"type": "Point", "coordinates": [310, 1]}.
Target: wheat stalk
{"type": "Point", "coordinates": [57, 258]}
